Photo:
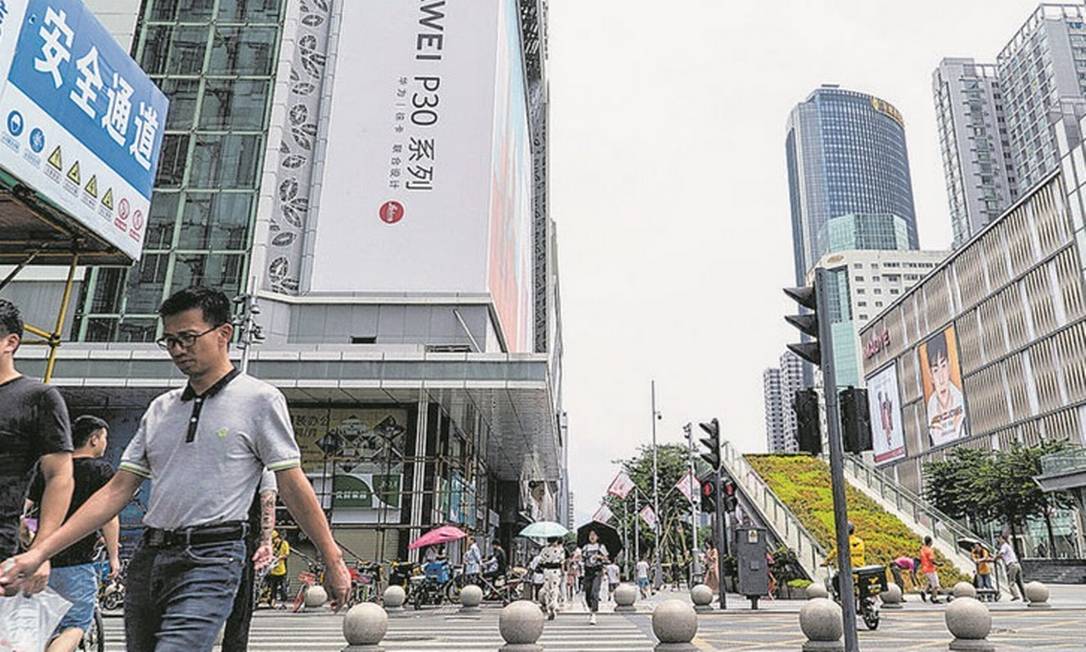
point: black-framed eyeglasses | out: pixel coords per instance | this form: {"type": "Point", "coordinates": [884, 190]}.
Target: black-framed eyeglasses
{"type": "Point", "coordinates": [184, 340]}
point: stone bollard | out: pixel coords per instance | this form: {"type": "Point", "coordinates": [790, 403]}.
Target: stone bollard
{"type": "Point", "coordinates": [970, 623]}
{"type": "Point", "coordinates": [702, 597]}
{"type": "Point", "coordinates": [675, 625]}
{"type": "Point", "coordinates": [315, 597]}
{"type": "Point", "coordinates": [364, 626]}
{"type": "Point", "coordinates": [1037, 594]}
{"type": "Point", "coordinates": [817, 590]}
{"type": "Point", "coordinates": [892, 597]}
{"type": "Point", "coordinates": [625, 597]}
{"type": "Point", "coordinates": [521, 625]}
{"type": "Point", "coordinates": [470, 597]}
{"type": "Point", "coordinates": [820, 620]}
{"type": "Point", "coordinates": [964, 590]}
{"type": "Point", "coordinates": [394, 598]}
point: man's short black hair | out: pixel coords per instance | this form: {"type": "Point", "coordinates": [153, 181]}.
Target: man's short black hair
{"type": "Point", "coordinates": [927, 541]}
{"type": "Point", "coordinates": [84, 426]}
{"type": "Point", "coordinates": [213, 303]}
{"type": "Point", "coordinates": [937, 348]}
{"type": "Point", "coordinates": [11, 322]}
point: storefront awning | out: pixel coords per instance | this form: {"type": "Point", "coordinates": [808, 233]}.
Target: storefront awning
{"type": "Point", "coordinates": [512, 392]}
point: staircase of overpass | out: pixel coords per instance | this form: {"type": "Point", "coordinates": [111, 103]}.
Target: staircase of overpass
{"type": "Point", "coordinates": [910, 509]}
{"type": "Point", "coordinates": [776, 516]}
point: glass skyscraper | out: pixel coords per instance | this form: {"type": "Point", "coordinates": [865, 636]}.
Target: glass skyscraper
{"type": "Point", "coordinates": [846, 156]}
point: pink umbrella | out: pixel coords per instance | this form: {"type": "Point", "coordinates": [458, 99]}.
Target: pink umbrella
{"type": "Point", "coordinates": [443, 534]}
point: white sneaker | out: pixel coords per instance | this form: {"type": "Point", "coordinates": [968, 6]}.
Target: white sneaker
{"type": "Point", "coordinates": [592, 619]}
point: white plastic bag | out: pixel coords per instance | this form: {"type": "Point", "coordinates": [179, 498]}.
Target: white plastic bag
{"type": "Point", "coordinates": [27, 622]}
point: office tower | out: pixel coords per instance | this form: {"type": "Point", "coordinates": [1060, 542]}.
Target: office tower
{"type": "Point", "coordinates": [1043, 64]}
{"type": "Point", "coordinates": [779, 385]}
{"type": "Point", "coordinates": [980, 177]}
{"type": "Point", "coordinates": [846, 154]}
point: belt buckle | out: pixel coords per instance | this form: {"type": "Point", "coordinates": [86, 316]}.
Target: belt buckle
{"type": "Point", "coordinates": [155, 538]}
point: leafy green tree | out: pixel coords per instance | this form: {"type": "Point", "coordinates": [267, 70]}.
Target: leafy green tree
{"type": "Point", "coordinates": [958, 487]}
{"type": "Point", "coordinates": [676, 535]}
{"type": "Point", "coordinates": [1005, 490]}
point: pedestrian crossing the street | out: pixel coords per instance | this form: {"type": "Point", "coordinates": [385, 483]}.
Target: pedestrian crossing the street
{"type": "Point", "coordinates": [432, 631]}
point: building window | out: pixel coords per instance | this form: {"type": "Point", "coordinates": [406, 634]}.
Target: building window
{"type": "Point", "coordinates": [215, 61]}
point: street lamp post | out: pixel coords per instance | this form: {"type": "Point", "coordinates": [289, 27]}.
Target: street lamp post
{"type": "Point", "coordinates": [656, 492]}
{"type": "Point", "coordinates": [695, 507]}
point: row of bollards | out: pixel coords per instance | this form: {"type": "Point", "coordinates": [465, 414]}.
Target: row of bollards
{"type": "Point", "coordinates": [520, 624]}
{"type": "Point", "coordinates": [675, 623]}
{"type": "Point", "coordinates": [967, 619]}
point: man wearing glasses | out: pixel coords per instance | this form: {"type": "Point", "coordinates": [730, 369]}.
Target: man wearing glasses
{"type": "Point", "coordinates": [204, 448]}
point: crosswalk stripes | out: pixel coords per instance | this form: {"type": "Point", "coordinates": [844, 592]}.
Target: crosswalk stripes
{"type": "Point", "coordinates": [431, 632]}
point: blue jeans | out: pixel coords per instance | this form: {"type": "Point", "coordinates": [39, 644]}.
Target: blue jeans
{"type": "Point", "coordinates": [178, 598]}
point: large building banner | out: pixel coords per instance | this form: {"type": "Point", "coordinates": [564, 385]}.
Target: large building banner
{"type": "Point", "coordinates": [943, 399]}
{"type": "Point", "coordinates": [426, 182]}
{"type": "Point", "coordinates": [884, 405]}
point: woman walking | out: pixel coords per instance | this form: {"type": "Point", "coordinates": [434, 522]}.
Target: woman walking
{"type": "Point", "coordinates": [550, 561]}
{"type": "Point", "coordinates": [573, 574]}
{"type": "Point", "coordinates": [712, 577]}
{"type": "Point", "coordinates": [595, 557]}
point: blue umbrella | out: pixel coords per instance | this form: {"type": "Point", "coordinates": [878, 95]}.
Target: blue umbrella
{"type": "Point", "coordinates": [544, 530]}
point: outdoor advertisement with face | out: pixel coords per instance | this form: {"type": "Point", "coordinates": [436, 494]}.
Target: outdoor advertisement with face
{"type": "Point", "coordinates": [426, 184]}
{"type": "Point", "coordinates": [884, 404]}
{"type": "Point", "coordinates": [943, 398]}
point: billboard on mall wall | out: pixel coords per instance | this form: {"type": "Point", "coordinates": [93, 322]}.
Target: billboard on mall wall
{"type": "Point", "coordinates": [942, 377]}
{"type": "Point", "coordinates": [361, 452]}
{"type": "Point", "coordinates": [884, 406]}
{"type": "Point", "coordinates": [427, 176]}
{"type": "Point", "coordinates": [81, 122]}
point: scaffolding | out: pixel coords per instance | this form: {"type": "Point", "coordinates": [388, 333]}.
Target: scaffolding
{"type": "Point", "coordinates": [33, 231]}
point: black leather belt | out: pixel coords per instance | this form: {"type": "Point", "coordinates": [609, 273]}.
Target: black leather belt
{"type": "Point", "coordinates": [200, 534]}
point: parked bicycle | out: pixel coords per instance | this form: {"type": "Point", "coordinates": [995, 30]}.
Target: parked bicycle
{"type": "Point", "coordinates": [306, 579]}
{"type": "Point", "coordinates": [365, 582]}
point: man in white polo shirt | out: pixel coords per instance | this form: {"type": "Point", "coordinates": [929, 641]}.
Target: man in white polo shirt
{"type": "Point", "coordinates": [204, 448]}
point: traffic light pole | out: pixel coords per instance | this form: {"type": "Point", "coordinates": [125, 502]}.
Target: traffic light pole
{"type": "Point", "coordinates": [837, 463]}
{"type": "Point", "coordinates": [721, 532]}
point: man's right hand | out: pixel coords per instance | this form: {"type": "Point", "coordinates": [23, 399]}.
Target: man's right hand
{"type": "Point", "coordinates": [27, 572]}
{"type": "Point", "coordinates": [337, 579]}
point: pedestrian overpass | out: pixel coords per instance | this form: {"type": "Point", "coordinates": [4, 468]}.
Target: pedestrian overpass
{"type": "Point", "coordinates": [919, 517]}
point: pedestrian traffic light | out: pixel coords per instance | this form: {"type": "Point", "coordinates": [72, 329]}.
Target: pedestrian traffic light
{"type": "Point", "coordinates": [711, 443]}
{"type": "Point", "coordinates": [855, 420]}
{"type": "Point", "coordinates": [708, 494]}
{"type": "Point", "coordinates": [807, 323]}
{"type": "Point", "coordinates": [808, 421]}
{"type": "Point", "coordinates": [731, 500]}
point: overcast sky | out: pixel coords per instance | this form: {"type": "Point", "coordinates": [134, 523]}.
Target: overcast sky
{"type": "Point", "coordinates": [669, 189]}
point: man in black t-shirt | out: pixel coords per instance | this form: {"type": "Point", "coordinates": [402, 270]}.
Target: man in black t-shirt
{"type": "Point", "coordinates": [75, 575]}
{"type": "Point", "coordinates": [34, 428]}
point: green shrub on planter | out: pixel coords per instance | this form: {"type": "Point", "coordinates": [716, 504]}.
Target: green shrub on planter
{"type": "Point", "coordinates": [802, 483]}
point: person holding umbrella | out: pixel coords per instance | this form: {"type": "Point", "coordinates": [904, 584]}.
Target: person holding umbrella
{"type": "Point", "coordinates": [595, 559]}
{"type": "Point", "coordinates": [551, 559]}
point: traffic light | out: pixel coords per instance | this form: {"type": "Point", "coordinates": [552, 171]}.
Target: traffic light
{"type": "Point", "coordinates": [807, 323]}
{"type": "Point", "coordinates": [712, 443]}
{"type": "Point", "coordinates": [731, 501]}
{"type": "Point", "coordinates": [808, 421]}
{"type": "Point", "coordinates": [708, 494]}
{"type": "Point", "coordinates": [855, 420]}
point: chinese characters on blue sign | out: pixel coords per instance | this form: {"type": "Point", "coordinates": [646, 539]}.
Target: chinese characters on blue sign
{"type": "Point", "coordinates": [87, 120]}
